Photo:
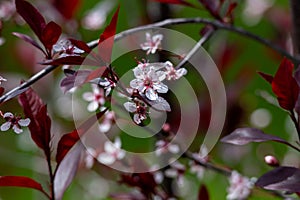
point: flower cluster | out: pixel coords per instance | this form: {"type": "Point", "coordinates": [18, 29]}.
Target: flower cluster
{"type": "Point", "coordinates": [148, 83]}
{"type": "Point", "coordinates": [152, 43]}
{"type": "Point", "coordinates": [64, 48]}
{"type": "Point", "coordinates": [240, 186]}
{"type": "Point", "coordinates": [14, 122]}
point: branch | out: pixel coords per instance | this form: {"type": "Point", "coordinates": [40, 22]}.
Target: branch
{"type": "Point", "coordinates": [295, 10]}
{"type": "Point", "coordinates": [23, 87]}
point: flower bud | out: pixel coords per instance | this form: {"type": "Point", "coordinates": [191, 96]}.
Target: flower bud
{"type": "Point", "coordinates": [271, 161]}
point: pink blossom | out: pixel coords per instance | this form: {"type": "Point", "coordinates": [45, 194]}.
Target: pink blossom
{"type": "Point", "coordinates": [107, 84]}
{"type": "Point", "coordinates": [177, 171]}
{"type": "Point", "coordinates": [64, 47]}
{"type": "Point", "coordinates": [149, 81]}
{"type": "Point", "coordinates": [165, 147]}
{"type": "Point", "coordinates": [139, 109]}
{"type": "Point", "coordinates": [240, 187]}
{"type": "Point", "coordinates": [14, 122]}
{"type": "Point", "coordinates": [112, 152]}
{"type": "Point", "coordinates": [172, 73]}
{"type": "Point", "coordinates": [107, 121]}
{"type": "Point", "coordinates": [96, 98]}
{"type": "Point", "coordinates": [152, 43]}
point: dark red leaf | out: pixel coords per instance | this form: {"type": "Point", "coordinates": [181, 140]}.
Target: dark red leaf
{"type": "Point", "coordinates": [71, 60]}
{"type": "Point", "coordinates": [213, 7]}
{"type": "Point", "coordinates": [20, 181]}
{"type": "Point", "coordinates": [203, 193]}
{"type": "Point", "coordinates": [81, 45]}
{"type": "Point", "coordinates": [67, 7]}
{"type": "Point", "coordinates": [242, 136]}
{"type": "Point", "coordinates": [101, 71]}
{"type": "Point", "coordinates": [106, 40]}
{"type": "Point", "coordinates": [179, 2]}
{"type": "Point", "coordinates": [32, 16]}
{"type": "Point", "coordinates": [50, 35]}
{"type": "Point", "coordinates": [65, 172]}
{"type": "Point", "coordinates": [69, 140]}
{"type": "Point", "coordinates": [144, 181]}
{"type": "Point", "coordinates": [281, 179]}
{"type": "Point", "coordinates": [28, 39]}
{"type": "Point", "coordinates": [1, 91]}
{"type": "Point", "coordinates": [40, 124]}
{"type": "Point", "coordinates": [285, 86]}
{"type": "Point", "coordinates": [74, 80]}
{"type": "Point", "coordinates": [267, 77]}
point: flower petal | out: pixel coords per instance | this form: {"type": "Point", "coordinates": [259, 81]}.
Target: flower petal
{"type": "Point", "coordinates": [151, 94]}
{"type": "Point", "coordinates": [8, 115]}
{"type": "Point", "coordinates": [136, 118]}
{"type": "Point", "coordinates": [17, 129]}
{"type": "Point", "coordinates": [161, 88]}
{"type": "Point", "coordinates": [93, 106]}
{"type": "Point", "coordinates": [24, 122]}
{"type": "Point", "coordinates": [88, 96]}
{"type": "Point", "coordinates": [181, 72]}
{"type": "Point", "coordinates": [106, 158]}
{"type": "Point", "coordinates": [130, 107]}
{"type": "Point", "coordinates": [136, 83]}
{"type": "Point", "coordinates": [120, 154]}
{"type": "Point", "coordinates": [5, 126]}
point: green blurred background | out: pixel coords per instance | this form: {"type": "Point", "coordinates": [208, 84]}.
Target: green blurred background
{"type": "Point", "coordinates": [238, 59]}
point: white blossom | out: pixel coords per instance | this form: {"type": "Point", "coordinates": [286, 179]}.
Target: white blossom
{"type": "Point", "coordinates": [2, 80]}
{"type": "Point", "coordinates": [14, 122]}
{"type": "Point", "coordinates": [165, 147]}
{"type": "Point", "coordinates": [152, 43]}
{"type": "Point", "coordinates": [90, 155]}
{"type": "Point", "coordinates": [139, 109]}
{"type": "Point", "coordinates": [107, 121]}
{"type": "Point", "coordinates": [148, 81]}
{"type": "Point", "coordinates": [96, 98]}
{"type": "Point", "coordinates": [177, 171]}
{"type": "Point", "coordinates": [107, 84]}
{"type": "Point", "coordinates": [172, 73]}
{"type": "Point", "coordinates": [112, 152]}
{"type": "Point", "coordinates": [65, 48]}
{"type": "Point", "coordinates": [240, 187]}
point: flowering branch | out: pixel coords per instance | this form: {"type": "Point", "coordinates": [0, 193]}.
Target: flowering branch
{"type": "Point", "coordinates": [23, 87]}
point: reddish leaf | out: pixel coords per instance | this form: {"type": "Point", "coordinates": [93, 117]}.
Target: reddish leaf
{"type": "Point", "coordinates": [65, 172]}
{"type": "Point", "coordinates": [285, 86]}
{"type": "Point", "coordinates": [40, 124]}
{"type": "Point", "coordinates": [28, 39]}
{"type": "Point", "coordinates": [179, 2]}
{"type": "Point", "coordinates": [81, 45]}
{"type": "Point", "coordinates": [32, 16]}
{"type": "Point", "coordinates": [106, 40]}
{"type": "Point", "coordinates": [101, 71]}
{"type": "Point", "coordinates": [267, 77]}
{"type": "Point", "coordinates": [50, 35]}
{"type": "Point", "coordinates": [282, 179]}
{"type": "Point", "coordinates": [1, 91]}
{"type": "Point", "coordinates": [20, 181]}
{"type": "Point", "coordinates": [74, 80]}
{"type": "Point", "coordinates": [71, 60]}
{"type": "Point", "coordinates": [242, 136]}
{"type": "Point", "coordinates": [67, 7]}
{"type": "Point", "coordinates": [203, 193]}
{"type": "Point", "coordinates": [69, 140]}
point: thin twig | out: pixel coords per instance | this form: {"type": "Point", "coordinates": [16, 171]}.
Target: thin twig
{"type": "Point", "coordinates": [23, 87]}
{"type": "Point", "coordinates": [199, 44]}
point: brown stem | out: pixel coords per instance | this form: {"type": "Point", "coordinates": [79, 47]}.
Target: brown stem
{"type": "Point", "coordinates": [295, 11]}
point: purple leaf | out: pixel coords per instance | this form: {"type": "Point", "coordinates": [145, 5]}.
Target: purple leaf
{"type": "Point", "coordinates": [32, 16]}
{"type": "Point", "coordinates": [71, 60]}
{"type": "Point", "coordinates": [267, 77]}
{"type": "Point", "coordinates": [81, 45]}
{"type": "Point", "coordinates": [1, 91]}
{"type": "Point", "coordinates": [242, 136]}
{"type": "Point", "coordinates": [66, 171]}
{"type": "Point", "coordinates": [282, 179]}
{"type": "Point", "coordinates": [74, 80]}
{"type": "Point", "coordinates": [20, 181]}
{"type": "Point", "coordinates": [203, 193]}
{"type": "Point", "coordinates": [285, 86]}
{"type": "Point", "coordinates": [28, 39]}
{"type": "Point", "coordinates": [50, 35]}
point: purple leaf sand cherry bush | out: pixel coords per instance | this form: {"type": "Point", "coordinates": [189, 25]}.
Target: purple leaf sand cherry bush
{"type": "Point", "coordinates": [97, 79]}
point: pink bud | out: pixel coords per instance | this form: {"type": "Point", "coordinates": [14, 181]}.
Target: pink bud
{"type": "Point", "coordinates": [271, 161]}
{"type": "Point", "coordinates": [166, 127]}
